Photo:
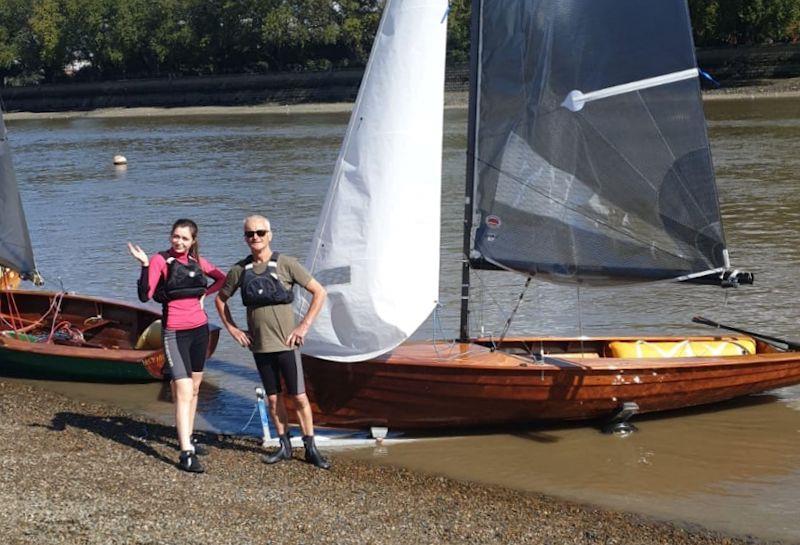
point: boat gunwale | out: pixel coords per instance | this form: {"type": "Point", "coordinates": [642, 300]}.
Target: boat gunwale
{"type": "Point", "coordinates": [421, 354]}
{"type": "Point", "coordinates": [138, 307]}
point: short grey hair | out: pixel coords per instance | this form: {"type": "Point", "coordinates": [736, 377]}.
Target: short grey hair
{"type": "Point", "coordinates": [257, 217]}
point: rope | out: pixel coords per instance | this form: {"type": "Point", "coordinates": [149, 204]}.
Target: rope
{"type": "Point", "coordinates": [250, 420]}
{"type": "Point", "coordinates": [17, 322]}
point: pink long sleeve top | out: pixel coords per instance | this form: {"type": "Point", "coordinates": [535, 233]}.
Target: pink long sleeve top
{"type": "Point", "coordinates": [181, 313]}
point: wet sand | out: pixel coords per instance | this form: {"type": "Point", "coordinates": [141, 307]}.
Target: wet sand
{"type": "Point", "coordinates": [772, 88]}
{"type": "Point", "coordinates": [75, 472]}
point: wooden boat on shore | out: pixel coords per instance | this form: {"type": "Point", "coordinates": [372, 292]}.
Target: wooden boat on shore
{"type": "Point", "coordinates": [588, 163]}
{"type": "Point", "coordinates": [58, 336]}
{"type": "Point", "coordinates": [420, 386]}
{"type": "Point", "coordinates": [63, 336]}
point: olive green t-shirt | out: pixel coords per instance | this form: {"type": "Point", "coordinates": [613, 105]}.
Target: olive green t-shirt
{"type": "Point", "coordinates": [270, 325]}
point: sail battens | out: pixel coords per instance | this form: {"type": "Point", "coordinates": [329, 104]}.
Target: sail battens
{"type": "Point", "coordinates": [622, 191]}
{"type": "Point", "coordinates": [576, 100]}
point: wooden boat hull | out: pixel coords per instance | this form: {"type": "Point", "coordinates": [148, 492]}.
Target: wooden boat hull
{"type": "Point", "coordinates": [416, 387]}
{"type": "Point", "coordinates": [111, 356]}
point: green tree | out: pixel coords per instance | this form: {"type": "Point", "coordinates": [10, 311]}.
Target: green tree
{"type": "Point", "coordinates": [737, 22]}
{"type": "Point", "coordinates": [320, 33]}
{"type": "Point", "coordinates": [458, 31]}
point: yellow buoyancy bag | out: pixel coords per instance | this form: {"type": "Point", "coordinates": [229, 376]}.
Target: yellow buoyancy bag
{"type": "Point", "coordinates": [150, 339]}
{"type": "Point", "coordinates": [735, 346]}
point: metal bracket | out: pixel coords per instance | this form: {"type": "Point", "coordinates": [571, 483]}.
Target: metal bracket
{"type": "Point", "coordinates": [618, 423]}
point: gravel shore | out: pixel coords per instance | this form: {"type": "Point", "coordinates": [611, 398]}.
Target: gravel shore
{"type": "Point", "coordinates": [73, 472]}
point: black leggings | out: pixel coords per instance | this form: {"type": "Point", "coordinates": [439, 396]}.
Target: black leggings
{"type": "Point", "coordinates": [271, 365]}
{"type": "Point", "coordinates": [185, 351]}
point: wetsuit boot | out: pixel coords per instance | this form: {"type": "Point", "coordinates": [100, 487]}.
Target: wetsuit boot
{"type": "Point", "coordinates": [188, 461]}
{"type": "Point", "coordinates": [313, 456]}
{"type": "Point", "coordinates": [284, 451]}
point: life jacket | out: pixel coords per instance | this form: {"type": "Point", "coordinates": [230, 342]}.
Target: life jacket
{"type": "Point", "coordinates": [260, 290]}
{"type": "Point", "coordinates": [182, 282]}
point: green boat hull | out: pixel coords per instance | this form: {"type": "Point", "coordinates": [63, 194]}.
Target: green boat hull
{"type": "Point", "coordinates": [14, 363]}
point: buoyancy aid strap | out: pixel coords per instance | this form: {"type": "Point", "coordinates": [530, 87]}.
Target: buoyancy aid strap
{"type": "Point", "coordinates": [272, 265]}
{"type": "Point", "coordinates": [167, 257]}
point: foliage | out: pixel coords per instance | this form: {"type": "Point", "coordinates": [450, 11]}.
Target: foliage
{"type": "Point", "coordinates": [737, 22]}
{"type": "Point", "coordinates": [106, 39]}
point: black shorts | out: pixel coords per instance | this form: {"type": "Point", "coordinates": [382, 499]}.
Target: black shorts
{"type": "Point", "coordinates": [185, 351]}
{"type": "Point", "coordinates": [272, 365]}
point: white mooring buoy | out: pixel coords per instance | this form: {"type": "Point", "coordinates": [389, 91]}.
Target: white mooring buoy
{"type": "Point", "coordinates": [120, 160]}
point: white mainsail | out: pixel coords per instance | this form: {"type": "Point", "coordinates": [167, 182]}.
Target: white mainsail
{"type": "Point", "coordinates": [376, 247]}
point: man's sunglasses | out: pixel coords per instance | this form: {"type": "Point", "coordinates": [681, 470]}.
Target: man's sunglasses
{"type": "Point", "coordinates": [261, 233]}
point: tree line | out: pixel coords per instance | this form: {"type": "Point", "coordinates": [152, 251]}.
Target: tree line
{"type": "Point", "coordinates": [53, 40]}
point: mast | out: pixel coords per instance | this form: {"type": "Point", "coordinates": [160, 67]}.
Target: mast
{"type": "Point", "coordinates": [472, 129]}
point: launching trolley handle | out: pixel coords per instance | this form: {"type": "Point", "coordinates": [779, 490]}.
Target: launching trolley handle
{"type": "Point", "coordinates": [789, 345]}
{"type": "Point", "coordinates": [262, 411]}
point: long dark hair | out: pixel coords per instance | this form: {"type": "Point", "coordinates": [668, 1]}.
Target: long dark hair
{"type": "Point", "coordinates": [194, 250]}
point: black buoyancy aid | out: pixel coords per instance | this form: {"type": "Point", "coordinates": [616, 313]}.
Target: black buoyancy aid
{"type": "Point", "coordinates": [182, 282]}
{"type": "Point", "coordinates": [260, 290]}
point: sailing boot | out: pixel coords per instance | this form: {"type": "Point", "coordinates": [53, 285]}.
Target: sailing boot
{"type": "Point", "coordinates": [284, 451]}
{"type": "Point", "coordinates": [313, 456]}
{"type": "Point", "coordinates": [188, 461]}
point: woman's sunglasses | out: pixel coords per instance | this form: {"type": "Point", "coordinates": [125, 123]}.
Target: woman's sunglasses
{"type": "Point", "coordinates": [260, 233]}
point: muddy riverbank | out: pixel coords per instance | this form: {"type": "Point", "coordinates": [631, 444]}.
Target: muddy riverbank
{"type": "Point", "coordinates": [76, 472]}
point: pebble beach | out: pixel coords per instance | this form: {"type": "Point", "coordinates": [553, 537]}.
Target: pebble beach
{"type": "Point", "coordinates": [76, 472]}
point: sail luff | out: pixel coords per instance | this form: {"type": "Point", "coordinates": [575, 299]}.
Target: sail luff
{"type": "Point", "coordinates": [16, 251]}
{"type": "Point", "coordinates": [469, 178]}
{"type": "Point", "coordinates": [376, 246]}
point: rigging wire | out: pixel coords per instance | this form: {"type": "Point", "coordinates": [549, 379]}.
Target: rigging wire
{"type": "Point", "coordinates": [516, 308]}
{"type": "Point", "coordinates": [580, 316]}
{"type": "Point", "coordinates": [437, 327]}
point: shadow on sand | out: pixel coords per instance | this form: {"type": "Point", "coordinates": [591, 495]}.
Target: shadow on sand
{"type": "Point", "coordinates": [141, 435]}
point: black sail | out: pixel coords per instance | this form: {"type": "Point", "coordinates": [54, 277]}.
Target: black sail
{"type": "Point", "coordinates": [619, 188]}
{"type": "Point", "coordinates": [15, 243]}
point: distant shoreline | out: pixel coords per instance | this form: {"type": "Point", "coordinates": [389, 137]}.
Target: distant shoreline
{"type": "Point", "coordinates": [763, 89]}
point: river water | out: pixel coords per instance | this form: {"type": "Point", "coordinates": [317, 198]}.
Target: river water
{"type": "Point", "coordinates": [733, 467]}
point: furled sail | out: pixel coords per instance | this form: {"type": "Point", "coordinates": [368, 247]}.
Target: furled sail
{"type": "Point", "coordinates": [592, 162]}
{"type": "Point", "coordinates": [15, 244]}
{"type": "Point", "coordinates": [376, 247]}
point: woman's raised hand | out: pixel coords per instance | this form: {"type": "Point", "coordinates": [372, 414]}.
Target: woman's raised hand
{"type": "Point", "coordinates": [139, 254]}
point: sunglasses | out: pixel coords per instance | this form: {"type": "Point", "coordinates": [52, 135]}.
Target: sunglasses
{"type": "Point", "coordinates": [261, 233]}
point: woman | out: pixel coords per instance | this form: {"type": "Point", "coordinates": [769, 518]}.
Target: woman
{"type": "Point", "coordinates": [177, 279]}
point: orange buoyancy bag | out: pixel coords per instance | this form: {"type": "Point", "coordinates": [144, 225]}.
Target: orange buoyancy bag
{"type": "Point", "coordinates": [733, 346]}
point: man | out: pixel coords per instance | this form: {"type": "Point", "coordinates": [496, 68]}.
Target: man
{"type": "Point", "coordinates": [265, 279]}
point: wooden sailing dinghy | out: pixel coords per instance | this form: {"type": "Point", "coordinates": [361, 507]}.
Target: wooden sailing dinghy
{"type": "Point", "coordinates": [60, 336]}
{"type": "Point", "coordinates": [587, 163]}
